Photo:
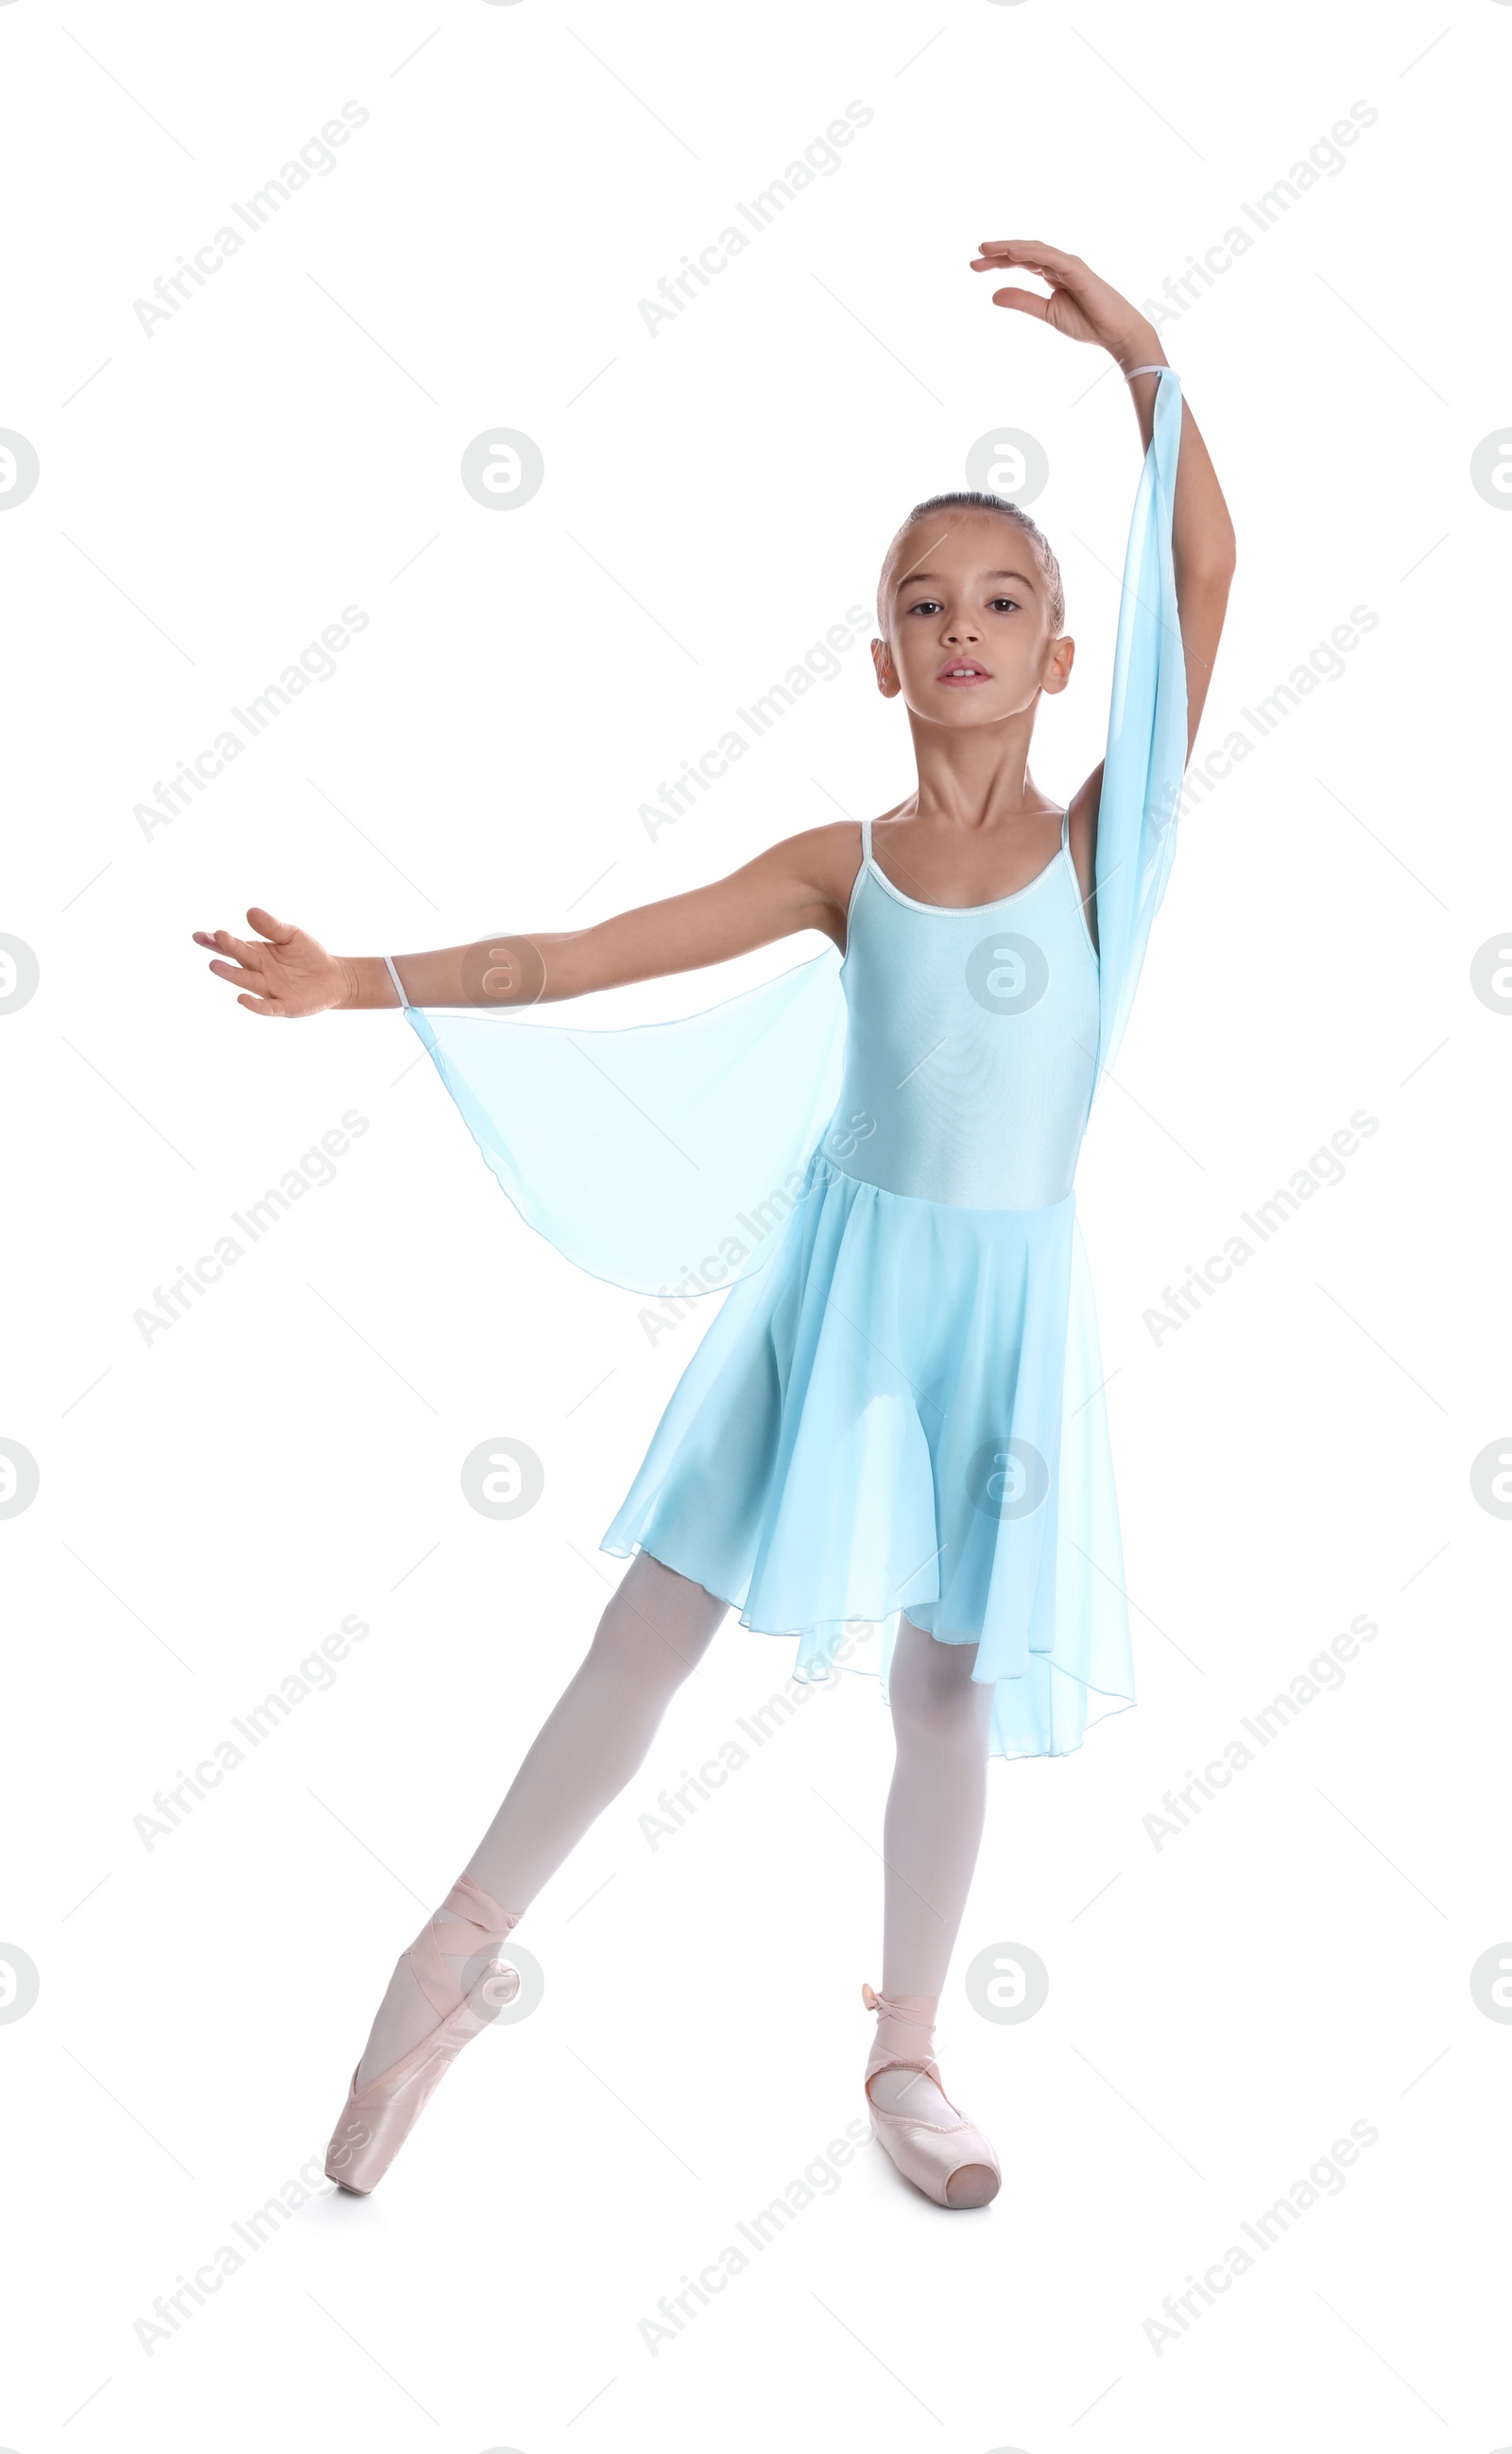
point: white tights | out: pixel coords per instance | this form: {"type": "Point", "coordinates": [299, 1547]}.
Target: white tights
{"type": "Point", "coordinates": [930, 1831]}
{"type": "Point", "coordinates": [654, 1632]}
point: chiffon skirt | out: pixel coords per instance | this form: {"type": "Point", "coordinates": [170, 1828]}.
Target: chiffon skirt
{"type": "Point", "coordinates": [901, 1410]}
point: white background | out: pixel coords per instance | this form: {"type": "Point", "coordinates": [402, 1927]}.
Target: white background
{"type": "Point", "coordinates": [1222, 2008]}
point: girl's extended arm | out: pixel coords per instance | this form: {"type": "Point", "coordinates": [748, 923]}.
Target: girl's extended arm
{"type": "Point", "coordinates": [1088, 308]}
{"type": "Point", "coordinates": [798, 885]}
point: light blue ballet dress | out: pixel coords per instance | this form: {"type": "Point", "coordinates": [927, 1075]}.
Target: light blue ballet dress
{"type": "Point", "coordinates": [898, 1406]}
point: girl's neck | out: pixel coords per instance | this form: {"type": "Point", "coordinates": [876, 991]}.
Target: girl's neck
{"type": "Point", "coordinates": [974, 782]}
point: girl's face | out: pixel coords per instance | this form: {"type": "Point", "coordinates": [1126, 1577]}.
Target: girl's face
{"type": "Point", "coordinates": [968, 637]}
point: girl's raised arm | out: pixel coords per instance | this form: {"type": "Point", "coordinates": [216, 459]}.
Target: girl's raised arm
{"type": "Point", "coordinates": [802, 883]}
{"type": "Point", "coordinates": [1086, 308]}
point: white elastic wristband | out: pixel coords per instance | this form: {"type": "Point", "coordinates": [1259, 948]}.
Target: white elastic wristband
{"type": "Point", "coordinates": [1129, 373]}
{"type": "Point", "coordinates": [397, 982]}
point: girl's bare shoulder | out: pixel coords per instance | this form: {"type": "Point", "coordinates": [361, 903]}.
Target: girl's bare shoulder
{"type": "Point", "coordinates": [820, 864]}
{"type": "Point", "coordinates": [824, 857]}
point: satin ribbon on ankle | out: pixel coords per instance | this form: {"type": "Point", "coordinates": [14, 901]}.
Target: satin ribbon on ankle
{"type": "Point", "coordinates": [471, 1906]}
{"type": "Point", "coordinates": [911, 2019]}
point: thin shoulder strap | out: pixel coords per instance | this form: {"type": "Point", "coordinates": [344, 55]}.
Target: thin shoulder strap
{"type": "Point", "coordinates": [1065, 814]}
{"type": "Point", "coordinates": [866, 843]}
{"type": "Point", "coordinates": [397, 982]}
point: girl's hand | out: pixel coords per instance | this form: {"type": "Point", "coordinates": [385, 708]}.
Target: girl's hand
{"type": "Point", "coordinates": [1080, 305]}
{"type": "Point", "coordinates": [282, 972]}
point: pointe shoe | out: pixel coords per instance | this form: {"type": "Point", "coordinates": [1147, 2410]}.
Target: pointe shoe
{"type": "Point", "coordinates": [952, 2163]}
{"type": "Point", "coordinates": [377, 2119]}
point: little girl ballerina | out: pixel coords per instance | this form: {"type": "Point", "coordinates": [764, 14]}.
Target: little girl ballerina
{"type": "Point", "coordinates": [896, 1414]}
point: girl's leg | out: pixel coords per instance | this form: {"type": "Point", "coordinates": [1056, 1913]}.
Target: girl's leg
{"type": "Point", "coordinates": [654, 1632]}
{"type": "Point", "coordinates": [930, 1836]}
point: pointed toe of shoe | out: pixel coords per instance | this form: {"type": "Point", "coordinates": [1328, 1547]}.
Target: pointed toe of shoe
{"type": "Point", "coordinates": [376, 2119]}
{"type": "Point", "coordinates": [974, 2184]}
{"type": "Point", "coordinates": [956, 2166]}
{"type": "Point", "coordinates": [347, 2141]}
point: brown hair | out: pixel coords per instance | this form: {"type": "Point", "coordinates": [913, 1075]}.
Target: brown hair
{"type": "Point", "coordinates": [1049, 568]}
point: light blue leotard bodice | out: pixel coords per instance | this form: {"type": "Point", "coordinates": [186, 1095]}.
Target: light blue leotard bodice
{"type": "Point", "coordinates": [971, 1051]}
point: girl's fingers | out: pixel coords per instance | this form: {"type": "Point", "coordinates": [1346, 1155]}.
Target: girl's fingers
{"type": "Point", "coordinates": [224, 943]}
{"type": "Point", "coordinates": [1028, 302]}
{"type": "Point", "coordinates": [1003, 264]}
{"type": "Point", "coordinates": [259, 1005]}
{"type": "Point", "coordinates": [240, 977]}
{"type": "Point", "coordinates": [236, 950]}
{"type": "Point", "coordinates": [1031, 252]}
